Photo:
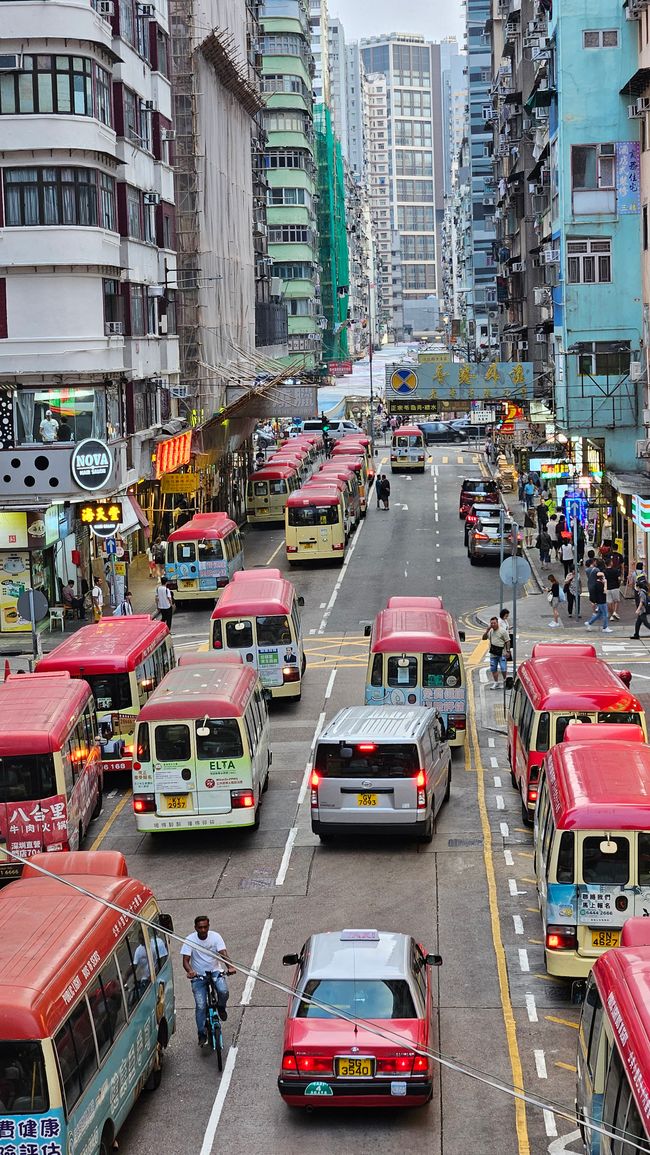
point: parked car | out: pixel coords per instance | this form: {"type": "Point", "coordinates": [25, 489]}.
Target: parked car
{"type": "Point", "coordinates": [337, 428]}
{"type": "Point", "coordinates": [484, 541]}
{"type": "Point", "coordinates": [476, 489]}
{"type": "Point", "coordinates": [473, 431]}
{"type": "Point", "coordinates": [440, 432]}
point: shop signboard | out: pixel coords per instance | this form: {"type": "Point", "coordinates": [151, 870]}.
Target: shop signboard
{"type": "Point", "coordinates": [641, 512]}
{"type": "Point", "coordinates": [13, 530]}
{"type": "Point", "coordinates": [173, 453]}
{"type": "Point", "coordinates": [104, 516]}
{"type": "Point", "coordinates": [91, 463]}
{"type": "Point", "coordinates": [179, 483]}
{"type": "Point", "coordinates": [14, 580]}
{"type": "Point", "coordinates": [459, 380]}
{"type": "Point", "coordinates": [443, 357]}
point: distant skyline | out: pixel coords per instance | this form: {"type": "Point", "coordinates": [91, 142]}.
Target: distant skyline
{"type": "Point", "coordinates": [433, 20]}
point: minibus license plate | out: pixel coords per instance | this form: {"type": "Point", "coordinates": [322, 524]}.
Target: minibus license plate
{"type": "Point", "coordinates": [355, 1068]}
{"type": "Point", "coordinates": [176, 801]}
{"type": "Point", "coordinates": [187, 583]}
{"type": "Point", "coordinates": [366, 799]}
{"type": "Point", "coordinates": [605, 938]}
{"type": "Point", "coordinates": [308, 544]}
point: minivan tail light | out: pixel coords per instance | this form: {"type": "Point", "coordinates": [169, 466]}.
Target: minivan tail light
{"type": "Point", "coordinates": [314, 781]}
{"type": "Point", "coordinates": [242, 799]}
{"type": "Point", "coordinates": [458, 721]}
{"type": "Point", "coordinates": [421, 784]}
{"type": "Point", "coordinates": [366, 747]}
{"type": "Point", "coordinates": [561, 938]}
{"type": "Point", "coordinates": [292, 549]}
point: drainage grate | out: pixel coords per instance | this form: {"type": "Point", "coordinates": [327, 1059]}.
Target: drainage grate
{"type": "Point", "coordinates": [464, 842]}
{"type": "Point", "coordinates": [261, 880]}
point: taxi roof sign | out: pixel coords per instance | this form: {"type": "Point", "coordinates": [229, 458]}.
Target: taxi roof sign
{"type": "Point", "coordinates": [359, 936]}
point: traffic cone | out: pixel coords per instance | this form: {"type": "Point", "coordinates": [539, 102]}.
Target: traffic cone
{"type": "Point", "coordinates": [7, 669]}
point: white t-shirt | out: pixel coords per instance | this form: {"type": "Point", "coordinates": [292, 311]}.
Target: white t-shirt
{"type": "Point", "coordinates": [163, 598]}
{"type": "Point", "coordinates": [98, 596]}
{"type": "Point", "coordinates": [48, 429]}
{"type": "Point", "coordinates": [566, 551]}
{"type": "Point", "coordinates": [202, 952]}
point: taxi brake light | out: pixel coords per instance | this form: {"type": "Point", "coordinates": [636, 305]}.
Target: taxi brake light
{"type": "Point", "coordinates": [289, 1061]}
{"type": "Point", "coordinates": [322, 1064]}
{"type": "Point", "coordinates": [561, 938]}
{"type": "Point", "coordinates": [481, 537]}
{"type": "Point", "coordinates": [242, 799]}
{"type": "Point", "coordinates": [420, 1063]}
{"type": "Point", "coordinates": [367, 747]}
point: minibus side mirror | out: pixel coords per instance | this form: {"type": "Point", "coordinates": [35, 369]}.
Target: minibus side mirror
{"type": "Point", "coordinates": [367, 630]}
{"type": "Point", "coordinates": [461, 635]}
{"type": "Point", "coordinates": [509, 682]}
{"type": "Point", "coordinates": [290, 960]}
{"type": "Point", "coordinates": [433, 960]}
{"type": "Point", "coordinates": [301, 601]}
{"type": "Point", "coordinates": [268, 696]}
{"type": "Point", "coordinates": [166, 922]}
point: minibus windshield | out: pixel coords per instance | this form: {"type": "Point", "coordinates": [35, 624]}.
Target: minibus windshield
{"type": "Point", "coordinates": [367, 759]}
{"type": "Point", "coordinates": [413, 439]}
{"type": "Point", "coordinates": [23, 1087]}
{"type": "Point", "coordinates": [363, 998]}
{"type": "Point", "coordinates": [313, 515]}
{"type": "Point", "coordinates": [26, 778]}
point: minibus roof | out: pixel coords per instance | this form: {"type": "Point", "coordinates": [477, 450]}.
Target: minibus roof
{"type": "Point", "coordinates": [258, 595]}
{"type": "Point", "coordinates": [603, 732]}
{"type": "Point", "coordinates": [571, 680]}
{"type": "Point", "coordinates": [418, 603]}
{"type": "Point", "coordinates": [360, 438]}
{"type": "Point", "coordinates": [376, 724]}
{"type": "Point", "coordinates": [414, 631]}
{"type": "Point", "coordinates": [196, 690]}
{"type": "Point", "coordinates": [599, 786]}
{"type": "Point", "coordinates": [110, 646]}
{"type": "Point", "coordinates": [311, 438]}
{"type": "Point", "coordinates": [215, 525]}
{"type": "Point", "coordinates": [313, 496]}
{"type": "Point", "coordinates": [209, 657]}
{"type": "Point", "coordinates": [623, 980]}
{"type": "Point", "coordinates": [48, 930]}
{"type": "Point", "coordinates": [408, 429]}
{"type": "Point", "coordinates": [270, 471]}
{"type": "Point", "coordinates": [36, 711]}
{"type": "Point", "coordinates": [355, 457]}
{"type": "Point", "coordinates": [327, 482]}
{"type": "Point", "coordinates": [256, 571]}
{"type": "Point", "coordinates": [336, 469]}
{"type": "Point", "coordinates": [350, 445]}
{"type": "Point", "coordinates": [636, 932]}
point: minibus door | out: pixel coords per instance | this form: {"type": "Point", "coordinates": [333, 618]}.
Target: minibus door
{"type": "Point", "coordinates": [240, 637]}
{"type": "Point", "coordinates": [173, 763]}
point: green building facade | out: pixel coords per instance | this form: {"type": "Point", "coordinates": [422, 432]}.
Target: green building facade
{"type": "Point", "coordinates": [333, 241]}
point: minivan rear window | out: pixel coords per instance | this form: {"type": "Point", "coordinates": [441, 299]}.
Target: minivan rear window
{"type": "Point", "coordinates": [367, 759]}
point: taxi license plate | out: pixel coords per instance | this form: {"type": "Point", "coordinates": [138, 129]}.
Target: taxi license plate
{"type": "Point", "coordinates": [355, 1068]}
{"type": "Point", "coordinates": [605, 938]}
{"type": "Point", "coordinates": [176, 801]}
{"type": "Point", "coordinates": [366, 799]}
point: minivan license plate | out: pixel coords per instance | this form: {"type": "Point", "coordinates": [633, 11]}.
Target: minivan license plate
{"type": "Point", "coordinates": [366, 799]}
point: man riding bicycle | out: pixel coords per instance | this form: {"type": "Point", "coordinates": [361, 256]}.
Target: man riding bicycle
{"type": "Point", "coordinates": [202, 954]}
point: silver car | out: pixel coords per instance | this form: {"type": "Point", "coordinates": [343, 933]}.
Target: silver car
{"type": "Point", "coordinates": [484, 541]}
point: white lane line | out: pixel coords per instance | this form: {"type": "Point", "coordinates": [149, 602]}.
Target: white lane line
{"type": "Point", "coordinates": [438, 578]}
{"type": "Point", "coordinates": [257, 962]}
{"type": "Point", "coordinates": [436, 518]}
{"type": "Point", "coordinates": [491, 743]}
{"type": "Point", "coordinates": [512, 882]}
{"type": "Point", "coordinates": [217, 1106]}
{"type": "Point", "coordinates": [518, 923]}
{"type": "Point", "coordinates": [497, 781]}
{"type": "Point", "coordinates": [523, 960]}
{"type": "Point", "coordinates": [312, 631]}
{"type": "Point", "coordinates": [284, 865]}
{"type": "Point", "coordinates": [551, 1129]}
{"type": "Point", "coordinates": [330, 684]}
{"type": "Point", "coordinates": [540, 1064]}
{"type": "Point", "coordinates": [509, 861]}
{"type": "Point", "coordinates": [505, 829]}
{"type": "Point", "coordinates": [319, 726]}
{"type": "Point", "coordinates": [322, 605]}
{"type": "Point", "coordinates": [531, 1007]}
{"type": "Point", "coordinates": [500, 803]}
{"type": "Point", "coordinates": [494, 762]}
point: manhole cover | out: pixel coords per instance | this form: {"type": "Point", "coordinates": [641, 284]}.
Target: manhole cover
{"type": "Point", "coordinates": [261, 880]}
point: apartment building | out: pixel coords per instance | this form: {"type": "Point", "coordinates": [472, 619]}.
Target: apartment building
{"type": "Point", "coordinates": [483, 295]}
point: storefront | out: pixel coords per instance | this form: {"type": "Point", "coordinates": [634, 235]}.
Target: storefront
{"type": "Point", "coordinates": [630, 499]}
{"type": "Point", "coordinates": [34, 552]}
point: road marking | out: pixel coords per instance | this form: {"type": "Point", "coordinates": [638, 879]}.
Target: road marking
{"type": "Point", "coordinates": [540, 1064]}
{"type": "Point", "coordinates": [549, 1125]}
{"type": "Point", "coordinates": [565, 1066]}
{"type": "Point", "coordinates": [111, 793]}
{"type": "Point", "coordinates": [275, 552]}
{"type": "Point", "coordinates": [512, 883]}
{"type": "Point", "coordinates": [505, 829]}
{"type": "Point", "coordinates": [497, 782]}
{"type": "Point", "coordinates": [435, 517]}
{"type": "Point", "coordinates": [533, 881]}
{"type": "Point", "coordinates": [491, 743]}
{"type": "Point", "coordinates": [518, 923]}
{"type": "Point", "coordinates": [494, 762]}
{"type": "Point", "coordinates": [257, 962]}
{"type": "Point", "coordinates": [523, 960]}
{"type": "Point", "coordinates": [284, 865]}
{"type": "Point", "coordinates": [217, 1106]}
{"type": "Point", "coordinates": [323, 605]}
{"type": "Point", "coordinates": [330, 684]}
{"type": "Point", "coordinates": [509, 861]}
{"type": "Point", "coordinates": [500, 803]}
{"type": "Point", "coordinates": [563, 1022]}
{"type": "Point", "coordinates": [531, 1008]}
{"type": "Point", "coordinates": [109, 821]}
{"type": "Point", "coordinates": [536, 941]}
{"type": "Point", "coordinates": [560, 1145]}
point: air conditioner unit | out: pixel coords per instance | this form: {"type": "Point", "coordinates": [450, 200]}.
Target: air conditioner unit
{"type": "Point", "coordinates": [106, 8]}
{"type": "Point", "coordinates": [148, 105]}
{"type": "Point", "coordinates": [168, 134]}
{"type": "Point", "coordinates": [634, 112]}
{"type": "Point", "coordinates": [540, 338]}
{"type": "Point", "coordinates": [114, 328]}
{"type": "Point", "coordinates": [146, 10]}
{"type": "Point", "coordinates": [275, 286]}
{"type": "Point", "coordinates": [635, 370]}
{"type": "Point", "coordinates": [518, 267]}
{"type": "Point", "coordinates": [487, 112]}
{"type": "Point", "coordinates": [538, 263]}
{"type": "Point", "coordinates": [551, 257]}
{"type": "Point", "coordinates": [522, 346]}
{"type": "Point", "coordinates": [540, 296]}
{"type": "Point", "coordinates": [260, 229]}
{"type": "Point", "coordinates": [151, 198]}
{"type": "Point", "coordinates": [11, 62]}
{"type": "Point", "coordinates": [643, 449]}
{"type": "Point", "coordinates": [541, 113]}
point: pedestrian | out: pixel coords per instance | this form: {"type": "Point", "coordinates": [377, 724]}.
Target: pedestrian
{"type": "Point", "coordinates": [125, 608]}
{"type": "Point", "coordinates": [581, 542]}
{"type": "Point", "coordinates": [97, 600]}
{"type": "Point", "coordinates": [537, 499]}
{"type": "Point", "coordinates": [48, 428]}
{"type": "Point", "coordinates": [153, 568]}
{"type": "Point", "coordinates": [542, 516]}
{"type": "Point", "coordinates": [560, 531]}
{"type": "Point", "coordinates": [543, 544]}
{"type": "Point", "coordinates": [591, 573]}
{"type": "Point", "coordinates": [634, 579]}
{"type": "Point", "coordinates": [165, 602]}
{"type": "Point", "coordinates": [572, 588]}
{"type": "Point", "coordinates": [529, 527]}
{"type": "Point", "coordinates": [600, 605]}
{"type": "Point", "coordinates": [504, 622]}
{"type": "Point", "coordinates": [159, 551]}
{"type": "Point", "coordinates": [379, 486]}
{"type": "Point", "coordinates": [65, 430]}
{"type": "Point", "coordinates": [72, 602]}
{"type": "Point", "coordinates": [499, 640]}
{"type": "Point", "coordinates": [613, 587]}
{"type": "Point", "coordinates": [643, 605]}
{"type": "Point", "coordinates": [566, 555]}
{"type": "Point", "coordinates": [385, 490]}
{"type": "Point", "coordinates": [529, 490]}
{"type": "Point", "coordinates": [521, 485]}
{"type": "Point", "coordinates": [553, 592]}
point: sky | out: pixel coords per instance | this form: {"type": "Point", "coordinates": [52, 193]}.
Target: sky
{"type": "Point", "coordinates": [435, 19]}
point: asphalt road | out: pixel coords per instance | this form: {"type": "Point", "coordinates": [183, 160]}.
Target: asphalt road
{"type": "Point", "coordinates": [469, 895]}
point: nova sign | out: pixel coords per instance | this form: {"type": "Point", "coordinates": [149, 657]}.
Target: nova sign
{"type": "Point", "coordinates": [91, 463]}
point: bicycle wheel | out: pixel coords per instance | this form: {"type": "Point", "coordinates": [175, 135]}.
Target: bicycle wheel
{"type": "Point", "coordinates": [218, 1044]}
{"type": "Point", "coordinates": [210, 1027]}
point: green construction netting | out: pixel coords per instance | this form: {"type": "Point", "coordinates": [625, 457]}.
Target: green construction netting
{"type": "Point", "coordinates": [333, 241]}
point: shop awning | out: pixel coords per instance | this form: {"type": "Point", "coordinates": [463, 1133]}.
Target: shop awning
{"type": "Point", "coordinates": [628, 484]}
{"type": "Point", "coordinates": [133, 516]}
{"type": "Point", "coordinates": [637, 84]}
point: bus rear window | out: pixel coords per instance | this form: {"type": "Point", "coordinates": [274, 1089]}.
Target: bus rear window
{"type": "Point", "coordinates": [223, 741]}
{"type": "Point", "coordinates": [301, 515]}
{"type": "Point", "coordinates": [278, 487]}
{"type": "Point", "coordinates": [26, 778]}
{"type": "Point", "coordinates": [402, 671]}
{"type": "Point", "coordinates": [110, 691]}
{"type": "Point", "coordinates": [605, 869]}
{"type": "Point", "coordinates": [273, 630]}
{"type": "Point", "coordinates": [367, 760]}
{"type": "Point", "coordinates": [185, 551]}
{"type": "Point", "coordinates": [23, 1087]}
{"type": "Point", "coordinates": [623, 718]}
{"type": "Point", "coordinates": [440, 670]}
{"type": "Point", "coordinates": [172, 742]}
{"type": "Point", "coordinates": [210, 551]}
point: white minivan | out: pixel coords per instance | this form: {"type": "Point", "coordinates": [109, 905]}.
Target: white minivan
{"type": "Point", "coordinates": [337, 428]}
{"type": "Point", "coordinates": [380, 768]}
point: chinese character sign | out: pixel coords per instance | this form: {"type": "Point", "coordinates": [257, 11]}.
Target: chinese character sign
{"type": "Point", "coordinates": [460, 381]}
{"type": "Point", "coordinates": [37, 1134]}
{"type": "Point", "coordinates": [171, 454]}
{"type": "Point", "coordinates": [28, 827]}
{"type": "Point", "coordinates": [101, 513]}
{"type": "Point", "coordinates": [628, 177]}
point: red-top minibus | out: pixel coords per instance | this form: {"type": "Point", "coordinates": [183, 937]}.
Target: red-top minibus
{"type": "Point", "coordinates": [123, 660]}
{"type": "Point", "coordinates": [267, 490]}
{"type": "Point", "coordinates": [402, 602]}
{"type": "Point", "coordinates": [202, 556]}
{"type": "Point", "coordinates": [560, 683]}
{"type": "Point", "coordinates": [346, 473]}
{"type": "Point", "coordinates": [50, 773]}
{"type": "Point", "coordinates": [357, 462]}
{"type": "Point", "coordinates": [315, 525]}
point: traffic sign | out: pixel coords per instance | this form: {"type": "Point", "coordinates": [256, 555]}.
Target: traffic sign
{"type": "Point", "coordinates": [514, 571]}
{"type": "Point", "coordinates": [111, 546]}
{"type": "Point", "coordinates": [41, 605]}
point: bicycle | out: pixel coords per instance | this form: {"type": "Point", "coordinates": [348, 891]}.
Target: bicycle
{"type": "Point", "coordinates": [213, 1022]}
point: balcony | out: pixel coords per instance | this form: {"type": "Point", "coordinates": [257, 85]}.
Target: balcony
{"type": "Point", "coordinates": [271, 323]}
{"type": "Point", "coordinates": [39, 474]}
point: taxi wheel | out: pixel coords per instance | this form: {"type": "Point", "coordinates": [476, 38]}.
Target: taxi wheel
{"type": "Point", "coordinates": [473, 560]}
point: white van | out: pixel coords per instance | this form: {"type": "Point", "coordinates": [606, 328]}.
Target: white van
{"type": "Point", "coordinates": [337, 428]}
{"type": "Point", "coordinates": [380, 768]}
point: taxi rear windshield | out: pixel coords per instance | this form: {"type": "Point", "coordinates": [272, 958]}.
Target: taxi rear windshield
{"type": "Point", "coordinates": [357, 760]}
{"type": "Point", "coordinates": [23, 1087]}
{"type": "Point", "coordinates": [362, 998]}
{"type": "Point", "coordinates": [313, 515]}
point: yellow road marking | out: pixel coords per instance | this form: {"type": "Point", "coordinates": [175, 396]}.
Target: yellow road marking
{"type": "Point", "coordinates": [536, 941]}
{"type": "Point", "coordinates": [275, 551]}
{"type": "Point", "coordinates": [109, 821]}
{"type": "Point", "coordinates": [534, 909]}
{"type": "Point", "coordinates": [533, 880]}
{"type": "Point", "coordinates": [547, 978]}
{"type": "Point", "coordinates": [562, 1022]}
{"type": "Point", "coordinates": [566, 1066]}
{"type": "Point", "coordinates": [445, 461]}
{"type": "Point", "coordinates": [525, 854]}
{"type": "Point", "coordinates": [460, 459]}
{"type": "Point", "coordinates": [476, 657]}
{"type": "Point", "coordinates": [493, 902]}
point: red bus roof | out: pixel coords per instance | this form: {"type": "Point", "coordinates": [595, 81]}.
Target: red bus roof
{"type": "Point", "coordinates": [38, 711]}
{"type": "Point", "coordinates": [599, 785]}
{"type": "Point", "coordinates": [110, 646]}
{"type": "Point", "coordinates": [271, 472]}
{"type": "Point", "coordinates": [636, 932]}
{"type": "Point", "coordinates": [362, 438]}
{"type": "Point", "coordinates": [48, 933]}
{"type": "Point", "coordinates": [603, 732]}
{"type": "Point", "coordinates": [557, 649]}
{"type": "Point", "coordinates": [258, 595]}
{"type": "Point", "coordinates": [313, 496]}
{"type": "Point", "coordinates": [209, 657]}
{"type": "Point", "coordinates": [410, 429]}
{"type": "Point", "coordinates": [623, 980]}
{"type": "Point", "coordinates": [204, 525]}
{"type": "Point", "coordinates": [356, 461]}
{"type": "Point", "coordinates": [194, 690]}
{"type": "Point", "coordinates": [246, 575]}
{"type": "Point", "coordinates": [414, 631]}
{"type": "Point", "coordinates": [330, 481]}
{"type": "Point", "coordinates": [334, 469]}
{"type": "Point", "coordinates": [570, 679]}
{"type": "Point", "coordinates": [419, 603]}
{"type": "Point", "coordinates": [350, 445]}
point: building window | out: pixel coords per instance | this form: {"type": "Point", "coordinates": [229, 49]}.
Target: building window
{"type": "Point", "coordinates": [113, 303]}
{"type": "Point", "coordinates": [589, 261]}
{"type": "Point", "coordinates": [134, 224]}
{"type": "Point", "coordinates": [162, 51]}
{"type": "Point", "coordinates": [284, 44]}
{"type": "Point", "coordinates": [600, 38]}
{"type": "Point", "coordinates": [71, 85]}
{"type": "Point", "coordinates": [294, 121]}
{"type": "Point", "coordinates": [300, 307]}
{"type": "Point", "coordinates": [84, 409]}
{"type": "Point", "coordinates": [289, 234]}
{"type": "Point", "coordinates": [645, 227]}
{"type": "Point", "coordinates": [593, 178]}
{"type": "Point", "coordinates": [294, 272]}
{"type": "Point", "coordinates": [288, 196]}
{"type": "Point", "coordinates": [289, 158]}
{"type": "Point", "coordinates": [59, 196]}
{"type": "Point", "coordinates": [604, 359]}
{"type": "Point", "coordinates": [137, 310]}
